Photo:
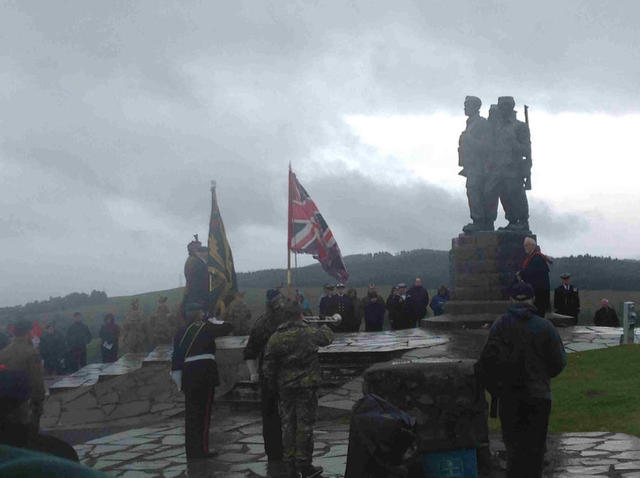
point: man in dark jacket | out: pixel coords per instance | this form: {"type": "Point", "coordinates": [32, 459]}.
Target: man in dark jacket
{"type": "Point", "coordinates": [566, 300]}
{"type": "Point", "coordinates": [536, 354]}
{"type": "Point", "coordinates": [52, 349]}
{"type": "Point", "coordinates": [194, 369]}
{"type": "Point", "coordinates": [327, 301]}
{"type": "Point", "coordinates": [417, 301]}
{"type": "Point", "coordinates": [374, 309]}
{"type": "Point", "coordinates": [110, 335]}
{"type": "Point", "coordinates": [606, 315]}
{"type": "Point", "coordinates": [260, 333]}
{"type": "Point", "coordinates": [535, 271]}
{"type": "Point", "coordinates": [78, 337]}
{"type": "Point", "coordinates": [439, 300]}
{"type": "Point", "coordinates": [343, 305]}
{"type": "Point", "coordinates": [399, 314]}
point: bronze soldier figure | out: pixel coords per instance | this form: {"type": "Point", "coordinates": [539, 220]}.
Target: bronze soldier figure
{"type": "Point", "coordinates": [508, 165]}
{"type": "Point", "coordinates": [472, 157]}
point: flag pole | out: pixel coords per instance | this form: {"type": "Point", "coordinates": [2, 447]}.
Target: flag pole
{"type": "Point", "coordinates": [289, 234]}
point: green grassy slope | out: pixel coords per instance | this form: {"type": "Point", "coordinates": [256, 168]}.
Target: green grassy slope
{"type": "Point", "coordinates": [597, 391]}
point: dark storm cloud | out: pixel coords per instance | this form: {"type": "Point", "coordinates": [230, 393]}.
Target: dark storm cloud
{"type": "Point", "coordinates": [115, 116]}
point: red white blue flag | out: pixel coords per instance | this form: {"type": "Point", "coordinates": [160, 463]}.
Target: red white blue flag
{"type": "Point", "coordinates": [310, 234]}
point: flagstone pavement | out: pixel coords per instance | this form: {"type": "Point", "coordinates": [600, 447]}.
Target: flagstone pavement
{"type": "Point", "coordinates": [158, 451]}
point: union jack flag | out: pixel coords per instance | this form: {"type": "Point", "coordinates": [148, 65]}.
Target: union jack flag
{"type": "Point", "coordinates": [309, 232]}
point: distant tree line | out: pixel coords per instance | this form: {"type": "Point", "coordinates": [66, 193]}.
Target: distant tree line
{"type": "Point", "coordinates": [55, 305]}
{"type": "Point", "coordinates": [588, 272]}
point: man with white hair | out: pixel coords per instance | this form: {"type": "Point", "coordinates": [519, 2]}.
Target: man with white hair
{"type": "Point", "coordinates": [535, 271]}
{"type": "Point", "coordinates": [606, 315]}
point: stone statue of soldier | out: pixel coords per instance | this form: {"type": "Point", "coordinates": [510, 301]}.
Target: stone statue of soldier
{"type": "Point", "coordinates": [508, 166]}
{"type": "Point", "coordinates": [472, 157]}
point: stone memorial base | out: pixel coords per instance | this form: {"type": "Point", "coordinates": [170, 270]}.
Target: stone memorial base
{"type": "Point", "coordinates": [482, 266]}
{"type": "Point", "coordinates": [441, 394]}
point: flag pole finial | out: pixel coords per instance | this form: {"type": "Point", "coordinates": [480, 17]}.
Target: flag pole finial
{"type": "Point", "coordinates": [213, 185]}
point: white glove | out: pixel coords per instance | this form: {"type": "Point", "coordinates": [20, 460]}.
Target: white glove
{"type": "Point", "coordinates": [176, 376]}
{"type": "Point", "coordinates": [253, 370]}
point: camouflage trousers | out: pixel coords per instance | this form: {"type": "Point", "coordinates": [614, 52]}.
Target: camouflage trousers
{"type": "Point", "coordinates": [298, 408]}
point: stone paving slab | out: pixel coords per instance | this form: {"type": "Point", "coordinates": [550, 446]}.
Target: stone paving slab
{"type": "Point", "coordinates": [125, 364]}
{"type": "Point", "coordinates": [86, 376]}
{"type": "Point", "coordinates": [158, 451]}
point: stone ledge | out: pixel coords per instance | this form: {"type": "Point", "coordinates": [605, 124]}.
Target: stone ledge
{"type": "Point", "coordinates": [447, 322]}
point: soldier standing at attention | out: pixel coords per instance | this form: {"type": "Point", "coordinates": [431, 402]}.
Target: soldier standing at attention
{"type": "Point", "coordinates": [566, 300]}
{"type": "Point", "coordinates": [194, 369]}
{"type": "Point", "coordinates": [196, 274]}
{"type": "Point", "coordinates": [292, 366]}
{"type": "Point", "coordinates": [260, 333]}
{"type": "Point", "coordinates": [344, 306]}
{"type": "Point", "coordinates": [20, 355]}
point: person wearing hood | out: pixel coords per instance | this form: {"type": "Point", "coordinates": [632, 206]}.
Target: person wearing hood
{"type": "Point", "coordinates": [535, 355]}
{"type": "Point", "coordinates": [535, 271]}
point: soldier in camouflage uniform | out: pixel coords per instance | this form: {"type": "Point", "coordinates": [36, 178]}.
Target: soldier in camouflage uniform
{"type": "Point", "coordinates": [264, 327]}
{"type": "Point", "coordinates": [291, 365]}
{"type": "Point", "coordinates": [134, 330]}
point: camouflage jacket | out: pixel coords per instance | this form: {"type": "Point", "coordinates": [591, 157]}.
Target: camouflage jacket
{"type": "Point", "coordinates": [264, 327]}
{"type": "Point", "coordinates": [291, 359]}
{"type": "Point", "coordinates": [21, 355]}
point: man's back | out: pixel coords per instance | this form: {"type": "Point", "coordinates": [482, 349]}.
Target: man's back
{"type": "Point", "coordinates": [291, 357]}
{"type": "Point", "coordinates": [538, 343]}
{"type": "Point", "coordinates": [78, 335]}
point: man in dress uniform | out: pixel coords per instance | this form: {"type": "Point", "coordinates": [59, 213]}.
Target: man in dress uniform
{"type": "Point", "coordinates": [291, 366]}
{"type": "Point", "coordinates": [20, 355]}
{"type": "Point", "coordinates": [260, 333]}
{"type": "Point", "coordinates": [327, 301]}
{"type": "Point", "coordinates": [196, 274]}
{"type": "Point", "coordinates": [399, 314]}
{"type": "Point", "coordinates": [566, 300]}
{"type": "Point", "coordinates": [344, 306]}
{"type": "Point", "coordinates": [194, 369]}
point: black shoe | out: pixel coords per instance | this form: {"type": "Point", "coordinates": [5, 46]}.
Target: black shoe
{"type": "Point", "coordinates": [310, 471]}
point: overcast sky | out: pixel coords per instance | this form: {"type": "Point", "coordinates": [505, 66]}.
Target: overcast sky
{"type": "Point", "coordinates": [115, 115]}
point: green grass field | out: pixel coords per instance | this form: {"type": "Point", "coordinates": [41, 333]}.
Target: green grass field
{"type": "Point", "coordinates": [597, 391]}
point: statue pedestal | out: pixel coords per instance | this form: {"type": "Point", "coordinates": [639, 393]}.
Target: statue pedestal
{"type": "Point", "coordinates": [482, 268]}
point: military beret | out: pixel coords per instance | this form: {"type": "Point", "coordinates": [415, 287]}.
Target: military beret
{"type": "Point", "coordinates": [521, 291]}
{"type": "Point", "coordinates": [292, 310]}
{"type": "Point", "coordinates": [565, 275]}
{"type": "Point", "coordinates": [14, 385]}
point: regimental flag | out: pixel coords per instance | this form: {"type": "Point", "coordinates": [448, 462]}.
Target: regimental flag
{"type": "Point", "coordinates": [222, 275]}
{"type": "Point", "coordinates": [310, 234]}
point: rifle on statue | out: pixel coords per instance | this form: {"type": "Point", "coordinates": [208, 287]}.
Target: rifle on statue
{"type": "Point", "coordinates": [528, 160]}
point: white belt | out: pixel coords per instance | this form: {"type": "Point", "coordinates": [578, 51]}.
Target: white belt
{"type": "Point", "coordinates": [193, 358]}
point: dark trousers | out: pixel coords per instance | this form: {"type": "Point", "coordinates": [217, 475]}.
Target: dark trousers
{"type": "Point", "coordinates": [271, 426]}
{"type": "Point", "coordinates": [77, 358]}
{"type": "Point", "coordinates": [198, 399]}
{"type": "Point", "coordinates": [542, 301]}
{"type": "Point", "coordinates": [524, 431]}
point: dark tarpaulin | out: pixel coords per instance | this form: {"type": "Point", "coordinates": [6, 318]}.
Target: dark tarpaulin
{"type": "Point", "coordinates": [379, 436]}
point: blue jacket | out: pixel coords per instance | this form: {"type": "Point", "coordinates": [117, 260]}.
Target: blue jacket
{"type": "Point", "coordinates": [540, 344]}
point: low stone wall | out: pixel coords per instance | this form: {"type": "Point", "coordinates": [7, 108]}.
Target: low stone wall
{"type": "Point", "coordinates": [441, 394]}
